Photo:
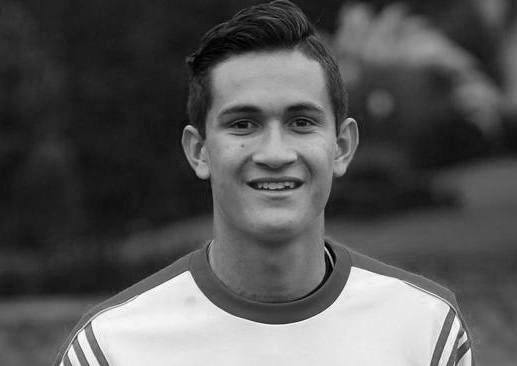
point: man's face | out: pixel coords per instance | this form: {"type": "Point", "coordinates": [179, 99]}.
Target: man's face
{"type": "Point", "coordinates": [270, 147]}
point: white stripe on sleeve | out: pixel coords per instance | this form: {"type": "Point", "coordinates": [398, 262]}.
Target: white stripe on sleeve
{"type": "Point", "coordinates": [451, 340]}
{"type": "Point", "coordinates": [85, 346]}
{"type": "Point", "coordinates": [73, 357]}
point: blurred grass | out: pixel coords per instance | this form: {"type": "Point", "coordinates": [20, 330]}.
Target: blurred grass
{"type": "Point", "coordinates": [471, 250]}
{"type": "Point", "coordinates": [31, 329]}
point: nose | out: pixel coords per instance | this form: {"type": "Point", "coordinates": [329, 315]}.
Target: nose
{"type": "Point", "coordinates": [274, 150]}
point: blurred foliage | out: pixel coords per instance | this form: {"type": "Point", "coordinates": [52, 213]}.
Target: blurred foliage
{"type": "Point", "coordinates": [92, 104]}
{"type": "Point", "coordinates": [38, 191]}
{"type": "Point", "coordinates": [422, 101]}
{"type": "Point", "coordinates": [413, 86]}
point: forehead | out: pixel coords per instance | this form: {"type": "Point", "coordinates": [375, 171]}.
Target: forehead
{"type": "Point", "coordinates": [270, 81]}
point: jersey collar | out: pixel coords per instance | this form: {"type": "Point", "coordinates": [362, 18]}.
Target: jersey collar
{"type": "Point", "coordinates": [272, 313]}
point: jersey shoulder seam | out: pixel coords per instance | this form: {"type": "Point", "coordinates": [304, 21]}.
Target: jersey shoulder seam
{"type": "Point", "coordinates": [418, 282]}
{"type": "Point", "coordinates": [411, 279]}
{"type": "Point", "coordinates": [171, 271]}
{"type": "Point", "coordinates": [154, 280]}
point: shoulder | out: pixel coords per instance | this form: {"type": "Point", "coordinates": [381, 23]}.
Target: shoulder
{"type": "Point", "coordinates": [378, 268]}
{"type": "Point", "coordinates": [420, 302]}
{"type": "Point", "coordinates": [147, 284]}
{"type": "Point", "coordinates": [417, 281]}
{"type": "Point", "coordinates": [138, 298]}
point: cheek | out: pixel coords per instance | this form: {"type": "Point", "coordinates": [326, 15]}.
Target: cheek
{"type": "Point", "coordinates": [321, 157]}
{"type": "Point", "coordinates": [224, 160]}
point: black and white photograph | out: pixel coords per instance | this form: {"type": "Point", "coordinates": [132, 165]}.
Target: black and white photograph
{"type": "Point", "coordinates": [257, 182]}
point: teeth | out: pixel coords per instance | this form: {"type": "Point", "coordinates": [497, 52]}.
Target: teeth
{"type": "Point", "coordinates": [275, 186]}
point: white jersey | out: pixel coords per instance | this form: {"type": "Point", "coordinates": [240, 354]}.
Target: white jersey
{"type": "Point", "coordinates": [365, 313]}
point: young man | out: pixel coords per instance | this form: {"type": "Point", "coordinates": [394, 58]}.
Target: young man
{"type": "Point", "coordinates": [270, 132]}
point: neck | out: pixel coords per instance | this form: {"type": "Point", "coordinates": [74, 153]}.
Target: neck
{"type": "Point", "coordinates": [279, 270]}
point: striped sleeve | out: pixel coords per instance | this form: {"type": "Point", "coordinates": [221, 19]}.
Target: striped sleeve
{"type": "Point", "coordinates": [84, 350]}
{"type": "Point", "coordinates": [453, 344]}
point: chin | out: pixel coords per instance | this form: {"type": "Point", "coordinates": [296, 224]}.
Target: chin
{"type": "Point", "coordinates": [279, 228]}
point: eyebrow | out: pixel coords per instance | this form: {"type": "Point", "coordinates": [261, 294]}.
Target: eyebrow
{"type": "Point", "coordinates": [305, 107]}
{"type": "Point", "coordinates": [243, 108]}
{"type": "Point", "coordinates": [246, 108]}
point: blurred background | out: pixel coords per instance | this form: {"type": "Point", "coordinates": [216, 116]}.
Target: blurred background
{"type": "Point", "coordinates": [95, 193]}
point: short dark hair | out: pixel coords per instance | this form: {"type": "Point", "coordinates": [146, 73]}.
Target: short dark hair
{"type": "Point", "coordinates": [266, 27]}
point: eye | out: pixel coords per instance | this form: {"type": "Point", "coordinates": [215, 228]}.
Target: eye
{"type": "Point", "coordinates": [242, 126]}
{"type": "Point", "coordinates": [243, 123]}
{"type": "Point", "coordinates": [302, 123]}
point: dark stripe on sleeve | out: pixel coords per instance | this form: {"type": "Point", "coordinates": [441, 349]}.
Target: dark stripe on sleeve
{"type": "Point", "coordinates": [453, 358]}
{"type": "Point", "coordinates": [95, 346]}
{"type": "Point", "coordinates": [66, 361]}
{"type": "Point", "coordinates": [463, 349]}
{"type": "Point", "coordinates": [442, 339]}
{"type": "Point", "coordinates": [461, 333]}
{"type": "Point", "coordinates": [79, 353]}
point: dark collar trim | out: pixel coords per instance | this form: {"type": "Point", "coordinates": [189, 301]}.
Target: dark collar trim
{"type": "Point", "coordinates": [271, 313]}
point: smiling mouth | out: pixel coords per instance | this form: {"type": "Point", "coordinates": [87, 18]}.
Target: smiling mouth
{"type": "Point", "coordinates": [274, 186]}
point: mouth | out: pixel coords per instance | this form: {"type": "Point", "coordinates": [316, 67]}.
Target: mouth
{"type": "Point", "coordinates": [275, 184]}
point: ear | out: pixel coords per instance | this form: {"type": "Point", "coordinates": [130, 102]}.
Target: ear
{"type": "Point", "coordinates": [195, 151]}
{"type": "Point", "coordinates": [346, 144]}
